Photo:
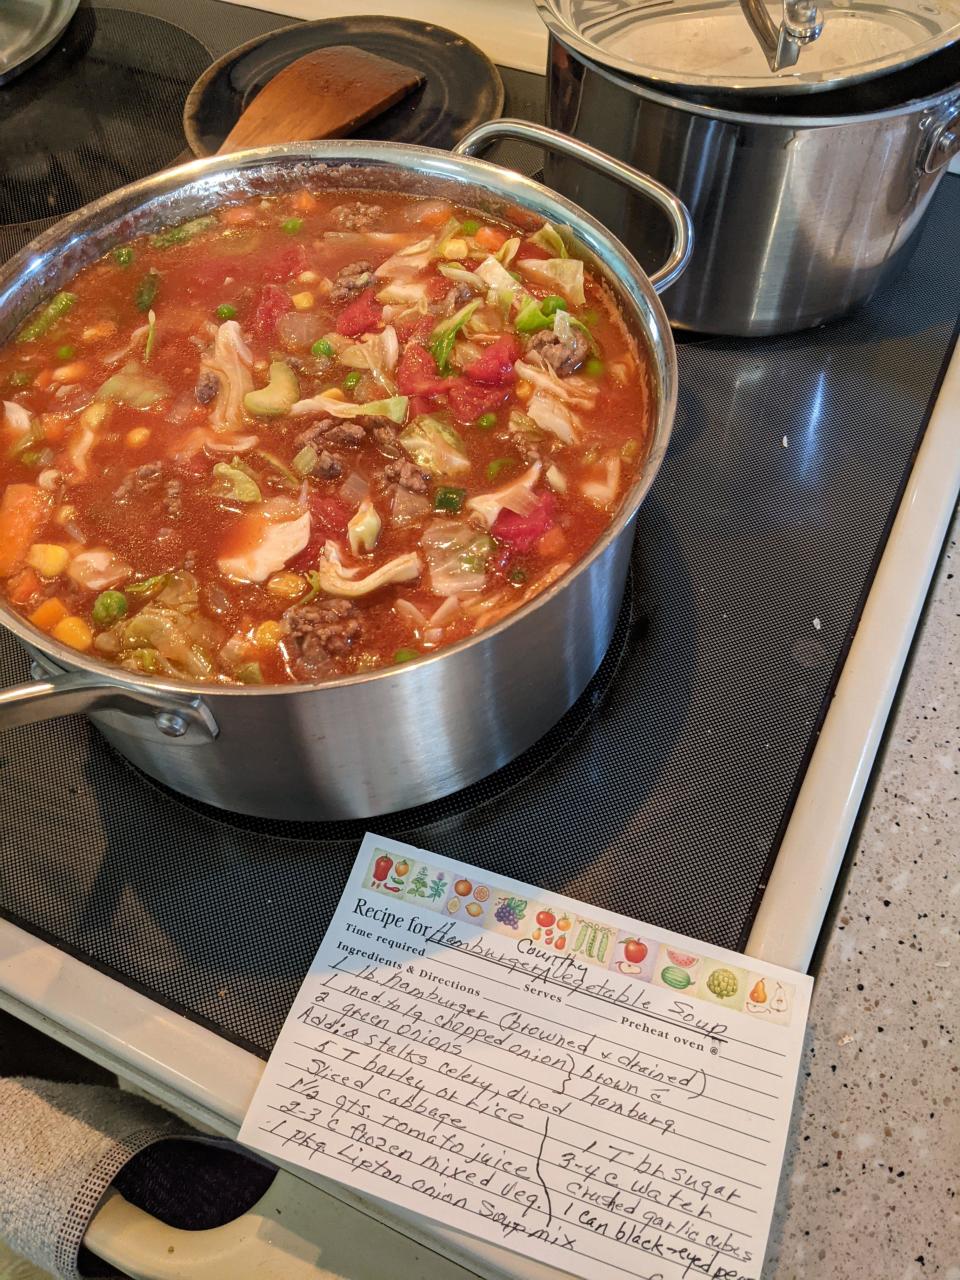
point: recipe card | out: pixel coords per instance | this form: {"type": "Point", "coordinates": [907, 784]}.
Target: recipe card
{"type": "Point", "coordinates": [604, 1096]}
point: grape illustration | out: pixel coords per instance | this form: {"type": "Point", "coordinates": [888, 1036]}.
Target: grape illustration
{"type": "Point", "coordinates": [510, 912]}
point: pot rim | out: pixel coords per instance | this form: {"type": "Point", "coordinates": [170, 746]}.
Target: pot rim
{"type": "Point", "coordinates": [624, 275]}
{"type": "Point", "coordinates": [729, 115]}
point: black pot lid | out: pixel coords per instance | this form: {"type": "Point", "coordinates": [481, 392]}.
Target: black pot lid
{"type": "Point", "coordinates": [759, 46]}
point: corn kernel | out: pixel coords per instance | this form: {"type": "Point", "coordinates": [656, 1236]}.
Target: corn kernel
{"type": "Point", "coordinates": [456, 248]}
{"type": "Point", "coordinates": [524, 390]}
{"type": "Point", "coordinates": [48, 558]}
{"type": "Point", "coordinates": [138, 437]}
{"type": "Point", "coordinates": [267, 635]}
{"type": "Point", "coordinates": [287, 585]}
{"type": "Point", "coordinates": [334, 393]}
{"type": "Point", "coordinates": [65, 513]}
{"type": "Point", "coordinates": [303, 301]}
{"type": "Point", "coordinates": [47, 615]}
{"type": "Point", "coordinates": [74, 632]}
{"type": "Point", "coordinates": [308, 277]}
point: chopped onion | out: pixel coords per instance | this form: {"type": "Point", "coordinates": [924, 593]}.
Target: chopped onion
{"type": "Point", "coordinates": [354, 489]}
{"type": "Point", "coordinates": [602, 493]}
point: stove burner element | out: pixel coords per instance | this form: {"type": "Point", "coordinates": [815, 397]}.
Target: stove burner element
{"type": "Point", "coordinates": [101, 110]}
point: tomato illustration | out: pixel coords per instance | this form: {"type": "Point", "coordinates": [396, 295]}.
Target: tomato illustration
{"type": "Point", "coordinates": [564, 923]}
{"type": "Point", "coordinates": [381, 868]}
{"type": "Point", "coordinates": [634, 951]}
{"type": "Point", "coordinates": [560, 943]}
{"type": "Point", "coordinates": [545, 919]}
{"type": "Point", "coordinates": [402, 868]}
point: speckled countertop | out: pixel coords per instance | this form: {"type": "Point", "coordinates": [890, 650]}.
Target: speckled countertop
{"type": "Point", "coordinates": [871, 1181]}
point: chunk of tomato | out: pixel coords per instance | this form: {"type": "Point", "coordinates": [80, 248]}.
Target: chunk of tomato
{"type": "Point", "coordinates": [362, 315]}
{"type": "Point", "coordinates": [417, 373]}
{"type": "Point", "coordinates": [272, 303]}
{"type": "Point", "coordinates": [494, 365]}
{"type": "Point", "coordinates": [523, 532]}
{"type": "Point", "coordinates": [286, 264]}
{"type": "Point", "coordinates": [328, 519]}
{"type": "Point", "coordinates": [470, 399]}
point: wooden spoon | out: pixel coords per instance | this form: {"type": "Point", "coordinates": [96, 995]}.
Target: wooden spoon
{"type": "Point", "coordinates": [325, 94]}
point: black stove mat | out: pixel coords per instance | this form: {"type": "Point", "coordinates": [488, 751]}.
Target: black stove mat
{"type": "Point", "coordinates": [663, 794]}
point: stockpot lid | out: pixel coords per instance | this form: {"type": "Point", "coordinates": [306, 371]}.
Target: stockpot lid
{"type": "Point", "coordinates": [754, 46]}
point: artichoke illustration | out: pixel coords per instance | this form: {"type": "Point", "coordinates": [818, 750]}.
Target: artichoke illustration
{"type": "Point", "coordinates": [722, 983]}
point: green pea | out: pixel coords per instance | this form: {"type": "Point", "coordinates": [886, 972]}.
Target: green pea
{"type": "Point", "coordinates": [123, 256]}
{"type": "Point", "coordinates": [321, 348]}
{"type": "Point", "coordinates": [406, 655]}
{"type": "Point", "coordinates": [593, 368]}
{"type": "Point", "coordinates": [226, 311]}
{"type": "Point", "coordinates": [486, 421]}
{"type": "Point", "coordinates": [517, 574]}
{"type": "Point", "coordinates": [108, 607]}
{"type": "Point", "coordinates": [449, 498]}
{"type": "Point", "coordinates": [470, 227]}
{"type": "Point", "coordinates": [497, 465]}
{"type": "Point", "coordinates": [351, 380]}
{"type": "Point", "coordinates": [66, 352]}
{"type": "Point", "coordinates": [291, 226]}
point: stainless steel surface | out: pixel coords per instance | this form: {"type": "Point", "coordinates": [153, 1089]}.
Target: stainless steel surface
{"type": "Point", "coordinates": [52, 693]}
{"type": "Point", "coordinates": [28, 28]}
{"type": "Point", "coordinates": [754, 46]}
{"type": "Point", "coordinates": [675, 210]}
{"type": "Point", "coordinates": [782, 43]}
{"type": "Point", "coordinates": [402, 735]}
{"type": "Point", "coordinates": [798, 219]}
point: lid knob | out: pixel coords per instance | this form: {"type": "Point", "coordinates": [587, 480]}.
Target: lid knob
{"type": "Point", "coordinates": [781, 45]}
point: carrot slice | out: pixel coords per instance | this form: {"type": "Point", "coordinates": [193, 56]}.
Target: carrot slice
{"type": "Point", "coordinates": [22, 512]}
{"type": "Point", "coordinates": [47, 615]}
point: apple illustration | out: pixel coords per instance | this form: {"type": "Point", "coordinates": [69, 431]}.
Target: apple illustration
{"type": "Point", "coordinates": [634, 951]}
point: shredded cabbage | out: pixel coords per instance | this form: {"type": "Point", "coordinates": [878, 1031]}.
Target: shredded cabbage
{"type": "Point", "coordinates": [602, 492]}
{"type": "Point", "coordinates": [435, 446]}
{"type": "Point", "coordinates": [266, 545]}
{"type": "Point", "coordinates": [16, 416]}
{"type": "Point", "coordinates": [231, 361]}
{"type": "Point", "coordinates": [457, 555]}
{"type": "Point", "coordinates": [363, 528]}
{"type": "Point", "coordinates": [336, 580]}
{"type": "Point", "coordinates": [517, 496]}
{"type": "Point", "coordinates": [444, 335]}
{"type": "Point", "coordinates": [563, 274]}
{"type": "Point", "coordinates": [130, 387]}
{"type": "Point", "coordinates": [395, 408]}
{"type": "Point", "coordinates": [550, 239]}
{"type": "Point", "coordinates": [234, 482]}
{"type": "Point", "coordinates": [377, 352]}
{"type": "Point", "coordinates": [502, 288]}
{"type": "Point", "coordinates": [508, 250]}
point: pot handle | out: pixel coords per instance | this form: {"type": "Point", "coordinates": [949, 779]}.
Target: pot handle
{"type": "Point", "coordinates": [187, 720]}
{"type": "Point", "coordinates": [540, 136]}
{"type": "Point", "coordinates": [943, 140]}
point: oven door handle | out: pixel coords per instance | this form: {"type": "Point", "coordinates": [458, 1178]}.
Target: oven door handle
{"type": "Point", "coordinates": [540, 136]}
{"type": "Point", "coordinates": [294, 1232]}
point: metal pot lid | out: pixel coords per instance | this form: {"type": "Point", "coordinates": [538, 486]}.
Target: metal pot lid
{"type": "Point", "coordinates": [28, 28]}
{"type": "Point", "coordinates": [760, 46]}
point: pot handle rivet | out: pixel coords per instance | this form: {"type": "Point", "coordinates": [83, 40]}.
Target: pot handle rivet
{"type": "Point", "coordinates": [171, 723]}
{"type": "Point", "coordinates": [674, 208]}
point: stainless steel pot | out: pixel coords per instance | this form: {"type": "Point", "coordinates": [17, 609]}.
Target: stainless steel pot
{"type": "Point", "coordinates": [396, 737]}
{"type": "Point", "coordinates": [799, 217]}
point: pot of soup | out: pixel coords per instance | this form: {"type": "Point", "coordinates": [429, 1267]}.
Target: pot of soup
{"type": "Point", "coordinates": [320, 465]}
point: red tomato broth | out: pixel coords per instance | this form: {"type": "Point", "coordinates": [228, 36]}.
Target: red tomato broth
{"type": "Point", "coordinates": [180, 524]}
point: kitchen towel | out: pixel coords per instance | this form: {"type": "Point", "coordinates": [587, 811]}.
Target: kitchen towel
{"type": "Point", "coordinates": [61, 1146]}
